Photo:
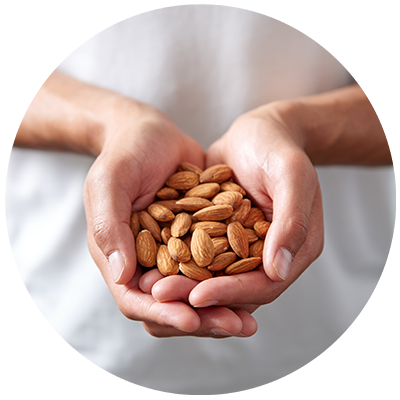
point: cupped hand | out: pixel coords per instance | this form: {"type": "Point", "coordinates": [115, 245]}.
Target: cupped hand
{"type": "Point", "coordinates": [140, 149]}
{"type": "Point", "coordinates": [269, 162]}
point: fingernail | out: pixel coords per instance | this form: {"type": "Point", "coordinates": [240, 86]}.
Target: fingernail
{"type": "Point", "coordinates": [117, 264]}
{"type": "Point", "coordinates": [220, 332]}
{"type": "Point", "coordinates": [207, 303]}
{"type": "Point", "coordinates": [282, 262]}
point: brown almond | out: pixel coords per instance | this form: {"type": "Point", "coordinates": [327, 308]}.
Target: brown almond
{"type": "Point", "coordinates": [146, 249]}
{"type": "Point", "coordinates": [217, 173]}
{"type": "Point", "coordinates": [214, 213]}
{"type": "Point", "coordinates": [205, 190]}
{"type": "Point", "coordinates": [183, 180]}
{"type": "Point", "coordinates": [254, 216]}
{"type": "Point", "coordinates": [229, 197]}
{"type": "Point", "coordinates": [149, 223]}
{"type": "Point", "coordinates": [193, 271]}
{"type": "Point", "coordinates": [261, 228]}
{"type": "Point", "coordinates": [171, 205]}
{"type": "Point", "coordinates": [187, 240]}
{"type": "Point", "coordinates": [221, 244]}
{"type": "Point", "coordinates": [256, 249]}
{"type": "Point", "coordinates": [178, 249]}
{"type": "Point", "coordinates": [194, 204]}
{"type": "Point", "coordinates": [232, 186]}
{"type": "Point", "coordinates": [241, 212]}
{"type": "Point", "coordinates": [167, 193]}
{"type": "Point", "coordinates": [251, 235]}
{"type": "Point", "coordinates": [220, 273]}
{"type": "Point", "coordinates": [165, 263]}
{"type": "Point", "coordinates": [222, 261]}
{"type": "Point", "coordinates": [187, 166]}
{"type": "Point", "coordinates": [166, 235]}
{"type": "Point", "coordinates": [160, 212]}
{"type": "Point", "coordinates": [213, 228]}
{"type": "Point", "coordinates": [181, 224]}
{"type": "Point", "coordinates": [244, 265]}
{"type": "Point", "coordinates": [202, 248]}
{"type": "Point", "coordinates": [237, 238]}
{"type": "Point", "coordinates": [135, 224]}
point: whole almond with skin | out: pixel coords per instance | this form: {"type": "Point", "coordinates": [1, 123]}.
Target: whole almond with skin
{"type": "Point", "coordinates": [261, 228]}
{"type": "Point", "coordinates": [217, 173]}
{"type": "Point", "coordinates": [241, 212]}
{"type": "Point", "coordinates": [165, 263]}
{"type": "Point", "coordinates": [222, 261]}
{"type": "Point", "coordinates": [202, 248]}
{"type": "Point", "coordinates": [237, 238]}
{"type": "Point", "coordinates": [214, 213]}
{"type": "Point", "coordinates": [194, 204]}
{"type": "Point", "coordinates": [251, 235]}
{"type": "Point", "coordinates": [254, 216]}
{"type": "Point", "coordinates": [193, 271]}
{"type": "Point", "coordinates": [221, 244]}
{"type": "Point", "coordinates": [149, 223]}
{"type": "Point", "coordinates": [231, 186]}
{"type": "Point", "coordinates": [146, 249]}
{"type": "Point", "coordinates": [205, 190]}
{"type": "Point", "coordinates": [167, 193]}
{"type": "Point", "coordinates": [171, 205]}
{"type": "Point", "coordinates": [183, 180]}
{"type": "Point", "coordinates": [181, 224]}
{"type": "Point", "coordinates": [213, 228]}
{"type": "Point", "coordinates": [256, 249]}
{"type": "Point", "coordinates": [187, 166]}
{"type": "Point", "coordinates": [229, 197]}
{"type": "Point", "coordinates": [135, 225]}
{"type": "Point", "coordinates": [160, 212]}
{"type": "Point", "coordinates": [178, 249]}
{"type": "Point", "coordinates": [166, 235]}
{"type": "Point", "coordinates": [188, 240]}
{"type": "Point", "coordinates": [245, 265]}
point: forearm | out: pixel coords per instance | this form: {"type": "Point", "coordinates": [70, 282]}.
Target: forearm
{"type": "Point", "coordinates": [337, 127]}
{"type": "Point", "coordinates": [70, 115]}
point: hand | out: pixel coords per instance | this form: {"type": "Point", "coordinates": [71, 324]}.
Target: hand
{"type": "Point", "coordinates": [268, 161]}
{"type": "Point", "coordinates": [141, 149]}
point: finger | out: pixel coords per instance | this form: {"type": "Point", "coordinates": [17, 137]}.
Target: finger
{"type": "Point", "coordinates": [214, 154]}
{"type": "Point", "coordinates": [216, 322]}
{"type": "Point", "coordinates": [147, 280]}
{"type": "Point", "coordinates": [295, 194]}
{"type": "Point", "coordinates": [108, 211]}
{"type": "Point", "coordinates": [177, 287]}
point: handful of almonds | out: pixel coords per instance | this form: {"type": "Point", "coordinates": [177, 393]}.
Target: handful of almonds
{"type": "Point", "coordinates": [202, 225]}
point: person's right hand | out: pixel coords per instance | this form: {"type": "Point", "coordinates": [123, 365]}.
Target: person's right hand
{"type": "Point", "coordinates": [140, 149]}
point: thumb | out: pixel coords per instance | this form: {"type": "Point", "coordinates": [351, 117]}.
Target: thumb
{"type": "Point", "coordinates": [214, 154]}
{"type": "Point", "coordinates": [294, 201]}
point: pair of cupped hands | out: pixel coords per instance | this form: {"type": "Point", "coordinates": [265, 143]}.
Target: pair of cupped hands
{"type": "Point", "coordinates": [140, 149]}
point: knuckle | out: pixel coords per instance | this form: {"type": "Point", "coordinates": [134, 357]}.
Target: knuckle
{"type": "Point", "coordinates": [298, 226]}
{"type": "Point", "coordinates": [101, 232]}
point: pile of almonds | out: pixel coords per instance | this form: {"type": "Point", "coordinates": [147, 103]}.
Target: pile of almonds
{"type": "Point", "coordinates": [202, 225]}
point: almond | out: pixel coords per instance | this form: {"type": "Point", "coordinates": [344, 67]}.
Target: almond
{"type": "Point", "coordinates": [221, 244]}
{"type": "Point", "coordinates": [171, 205]}
{"type": "Point", "coordinates": [166, 235]}
{"type": "Point", "coordinates": [165, 263]}
{"type": "Point", "coordinates": [251, 235]}
{"type": "Point", "coordinates": [213, 228]}
{"type": "Point", "coordinates": [202, 248]}
{"type": "Point", "coordinates": [193, 271]}
{"type": "Point", "coordinates": [194, 204]}
{"type": "Point", "coordinates": [254, 216]}
{"type": "Point", "coordinates": [221, 261]}
{"type": "Point", "coordinates": [178, 250]}
{"type": "Point", "coordinates": [231, 186]}
{"type": "Point", "coordinates": [244, 265]}
{"type": "Point", "coordinates": [183, 180]}
{"type": "Point", "coordinates": [149, 223]}
{"type": "Point", "coordinates": [160, 212]}
{"type": "Point", "coordinates": [256, 249]}
{"type": "Point", "coordinates": [187, 166]}
{"type": "Point", "coordinates": [135, 225]}
{"type": "Point", "coordinates": [167, 193]}
{"type": "Point", "coordinates": [237, 238]}
{"type": "Point", "coordinates": [181, 224]}
{"type": "Point", "coordinates": [187, 240]}
{"type": "Point", "coordinates": [146, 249]}
{"type": "Point", "coordinates": [214, 213]}
{"type": "Point", "coordinates": [229, 197]}
{"type": "Point", "coordinates": [205, 190]}
{"type": "Point", "coordinates": [217, 173]}
{"type": "Point", "coordinates": [241, 212]}
{"type": "Point", "coordinates": [261, 228]}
